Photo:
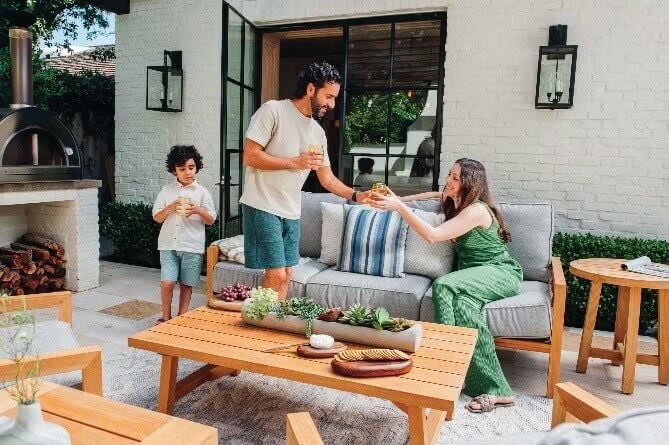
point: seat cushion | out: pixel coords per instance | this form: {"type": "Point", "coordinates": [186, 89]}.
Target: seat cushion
{"type": "Point", "coordinates": [400, 296]}
{"type": "Point", "coordinates": [531, 228]}
{"type": "Point", "coordinates": [51, 336]}
{"type": "Point", "coordinates": [527, 315]}
{"type": "Point", "coordinates": [227, 273]}
{"type": "Point", "coordinates": [311, 221]}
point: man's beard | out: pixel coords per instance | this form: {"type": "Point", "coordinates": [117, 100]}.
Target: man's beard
{"type": "Point", "coordinates": [317, 110]}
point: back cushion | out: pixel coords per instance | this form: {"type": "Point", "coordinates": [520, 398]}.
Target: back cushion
{"type": "Point", "coordinates": [427, 205]}
{"type": "Point", "coordinates": [531, 227]}
{"type": "Point", "coordinates": [373, 242]}
{"type": "Point", "coordinates": [311, 221]}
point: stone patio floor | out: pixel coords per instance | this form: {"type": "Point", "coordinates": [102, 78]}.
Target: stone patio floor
{"type": "Point", "coordinates": [526, 371]}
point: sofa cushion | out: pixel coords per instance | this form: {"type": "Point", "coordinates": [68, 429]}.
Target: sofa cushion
{"type": "Point", "coordinates": [373, 242]}
{"type": "Point", "coordinates": [423, 258]}
{"type": "Point", "coordinates": [227, 273]}
{"type": "Point", "coordinates": [427, 205]}
{"type": "Point", "coordinates": [400, 296]}
{"type": "Point", "coordinates": [333, 225]}
{"type": "Point", "coordinates": [527, 315]}
{"type": "Point", "coordinates": [531, 228]}
{"type": "Point", "coordinates": [311, 222]}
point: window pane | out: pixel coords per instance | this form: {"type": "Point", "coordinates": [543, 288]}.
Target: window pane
{"type": "Point", "coordinates": [235, 25]}
{"type": "Point", "coordinates": [416, 54]}
{"type": "Point", "coordinates": [367, 171]}
{"type": "Point", "coordinates": [366, 123]}
{"type": "Point", "coordinates": [233, 109]}
{"type": "Point", "coordinates": [249, 56]}
{"type": "Point", "coordinates": [249, 108]}
{"type": "Point", "coordinates": [369, 55]}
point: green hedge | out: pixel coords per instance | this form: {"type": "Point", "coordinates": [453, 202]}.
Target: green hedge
{"type": "Point", "coordinates": [135, 235]}
{"type": "Point", "coordinates": [570, 247]}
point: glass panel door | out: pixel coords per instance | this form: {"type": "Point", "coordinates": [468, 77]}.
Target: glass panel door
{"type": "Point", "coordinates": [239, 102]}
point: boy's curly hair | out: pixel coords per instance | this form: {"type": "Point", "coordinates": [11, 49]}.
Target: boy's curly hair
{"type": "Point", "coordinates": [318, 74]}
{"type": "Point", "coordinates": [179, 154]}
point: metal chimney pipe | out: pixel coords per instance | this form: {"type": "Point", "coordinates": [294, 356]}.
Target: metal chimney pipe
{"type": "Point", "coordinates": [21, 54]}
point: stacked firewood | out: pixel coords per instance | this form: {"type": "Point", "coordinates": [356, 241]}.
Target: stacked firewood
{"type": "Point", "coordinates": [33, 264]}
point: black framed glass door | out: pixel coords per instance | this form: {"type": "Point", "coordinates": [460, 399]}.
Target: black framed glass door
{"type": "Point", "coordinates": [239, 100]}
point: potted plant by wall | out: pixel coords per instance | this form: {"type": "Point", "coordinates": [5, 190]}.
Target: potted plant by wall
{"type": "Point", "coordinates": [17, 331]}
{"type": "Point", "coordinates": [357, 324]}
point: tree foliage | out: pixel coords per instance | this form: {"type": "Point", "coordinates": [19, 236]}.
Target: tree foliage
{"type": "Point", "coordinates": [50, 16]}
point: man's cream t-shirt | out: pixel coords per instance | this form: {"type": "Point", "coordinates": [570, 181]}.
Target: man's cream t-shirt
{"type": "Point", "coordinates": [283, 130]}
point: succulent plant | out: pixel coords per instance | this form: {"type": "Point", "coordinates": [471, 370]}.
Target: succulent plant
{"type": "Point", "coordinates": [357, 315]}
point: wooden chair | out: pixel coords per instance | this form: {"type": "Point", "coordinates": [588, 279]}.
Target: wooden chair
{"type": "Point", "coordinates": [571, 404]}
{"type": "Point", "coordinates": [553, 347]}
{"type": "Point", "coordinates": [88, 359]}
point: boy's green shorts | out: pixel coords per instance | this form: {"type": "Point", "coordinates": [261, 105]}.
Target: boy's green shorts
{"type": "Point", "coordinates": [270, 242]}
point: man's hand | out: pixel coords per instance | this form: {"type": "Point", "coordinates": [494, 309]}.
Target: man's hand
{"type": "Point", "coordinates": [309, 161]}
{"type": "Point", "coordinates": [364, 197]}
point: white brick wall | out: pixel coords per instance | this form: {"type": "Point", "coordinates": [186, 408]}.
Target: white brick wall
{"type": "Point", "coordinates": [603, 163]}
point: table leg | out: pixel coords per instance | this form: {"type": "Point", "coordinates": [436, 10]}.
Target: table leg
{"type": "Point", "coordinates": [663, 335]}
{"type": "Point", "coordinates": [588, 326]}
{"type": "Point", "coordinates": [424, 425]}
{"type": "Point", "coordinates": [621, 318]}
{"type": "Point", "coordinates": [168, 381]}
{"type": "Point", "coordinates": [631, 340]}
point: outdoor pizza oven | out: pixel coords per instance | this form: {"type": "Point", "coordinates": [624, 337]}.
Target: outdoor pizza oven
{"type": "Point", "coordinates": [34, 144]}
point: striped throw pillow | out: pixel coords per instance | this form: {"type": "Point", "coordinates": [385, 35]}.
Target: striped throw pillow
{"type": "Point", "coordinates": [373, 242]}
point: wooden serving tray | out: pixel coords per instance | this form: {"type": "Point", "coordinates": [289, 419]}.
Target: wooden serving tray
{"type": "Point", "coordinates": [215, 303]}
{"type": "Point", "coordinates": [366, 368]}
{"type": "Point", "coordinates": [308, 351]}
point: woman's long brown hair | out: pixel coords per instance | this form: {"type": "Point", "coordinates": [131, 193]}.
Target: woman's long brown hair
{"type": "Point", "coordinates": [473, 186]}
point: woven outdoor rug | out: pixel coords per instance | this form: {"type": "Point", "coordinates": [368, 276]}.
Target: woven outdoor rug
{"type": "Point", "coordinates": [251, 408]}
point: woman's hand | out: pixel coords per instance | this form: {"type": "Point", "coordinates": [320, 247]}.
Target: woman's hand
{"type": "Point", "coordinates": [389, 201]}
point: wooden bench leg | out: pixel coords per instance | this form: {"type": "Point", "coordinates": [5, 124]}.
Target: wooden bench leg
{"type": "Point", "coordinates": [663, 336]}
{"type": "Point", "coordinates": [168, 380]}
{"type": "Point", "coordinates": [589, 326]}
{"type": "Point", "coordinates": [631, 340]}
{"type": "Point", "coordinates": [621, 318]}
{"type": "Point", "coordinates": [91, 375]}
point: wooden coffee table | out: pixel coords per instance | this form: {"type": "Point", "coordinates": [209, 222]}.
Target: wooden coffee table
{"type": "Point", "coordinates": [427, 394]}
{"type": "Point", "coordinates": [625, 338]}
{"type": "Point", "coordinates": [91, 419]}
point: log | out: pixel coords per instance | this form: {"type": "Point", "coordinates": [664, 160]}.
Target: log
{"type": "Point", "coordinates": [59, 272]}
{"type": "Point", "coordinates": [55, 283]}
{"type": "Point", "coordinates": [29, 283]}
{"type": "Point", "coordinates": [38, 254]}
{"type": "Point", "coordinates": [24, 254]}
{"type": "Point", "coordinates": [48, 269]}
{"type": "Point", "coordinates": [45, 243]}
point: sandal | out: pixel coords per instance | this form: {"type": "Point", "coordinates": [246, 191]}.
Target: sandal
{"type": "Point", "coordinates": [160, 320]}
{"type": "Point", "coordinates": [487, 403]}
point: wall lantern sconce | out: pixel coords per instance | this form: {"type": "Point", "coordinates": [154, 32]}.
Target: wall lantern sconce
{"type": "Point", "coordinates": [556, 71]}
{"type": "Point", "coordinates": [164, 84]}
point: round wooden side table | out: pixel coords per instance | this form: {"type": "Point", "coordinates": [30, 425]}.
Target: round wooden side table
{"type": "Point", "coordinates": [608, 271]}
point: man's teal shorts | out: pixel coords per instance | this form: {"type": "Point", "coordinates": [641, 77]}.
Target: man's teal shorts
{"type": "Point", "coordinates": [270, 242]}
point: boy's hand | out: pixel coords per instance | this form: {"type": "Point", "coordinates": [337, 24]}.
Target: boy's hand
{"type": "Point", "coordinates": [172, 207]}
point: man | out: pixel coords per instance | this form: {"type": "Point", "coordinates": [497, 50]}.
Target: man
{"type": "Point", "coordinates": [283, 143]}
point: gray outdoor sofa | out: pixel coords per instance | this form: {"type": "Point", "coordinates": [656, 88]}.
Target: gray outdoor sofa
{"type": "Point", "coordinates": [533, 320]}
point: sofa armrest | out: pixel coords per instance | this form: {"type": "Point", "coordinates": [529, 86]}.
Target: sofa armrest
{"type": "Point", "coordinates": [88, 359]}
{"type": "Point", "coordinates": [300, 430]}
{"type": "Point", "coordinates": [571, 401]}
{"type": "Point", "coordinates": [559, 291]}
{"type": "Point", "coordinates": [61, 300]}
{"type": "Point", "coordinates": [212, 259]}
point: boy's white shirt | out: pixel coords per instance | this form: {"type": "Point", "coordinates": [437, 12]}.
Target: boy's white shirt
{"type": "Point", "coordinates": [178, 232]}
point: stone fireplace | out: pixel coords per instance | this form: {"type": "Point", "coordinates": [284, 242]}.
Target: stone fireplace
{"type": "Point", "coordinates": [65, 211]}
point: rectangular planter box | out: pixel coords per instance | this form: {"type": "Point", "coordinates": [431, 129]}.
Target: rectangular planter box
{"type": "Point", "coordinates": [407, 340]}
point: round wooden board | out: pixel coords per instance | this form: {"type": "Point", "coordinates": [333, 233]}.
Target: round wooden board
{"type": "Point", "coordinates": [215, 303]}
{"type": "Point", "coordinates": [366, 368]}
{"type": "Point", "coordinates": [308, 351]}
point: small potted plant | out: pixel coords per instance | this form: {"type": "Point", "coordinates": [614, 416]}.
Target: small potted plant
{"type": "Point", "coordinates": [17, 330]}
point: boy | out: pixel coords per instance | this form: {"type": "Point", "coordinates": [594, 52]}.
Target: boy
{"type": "Point", "coordinates": [183, 207]}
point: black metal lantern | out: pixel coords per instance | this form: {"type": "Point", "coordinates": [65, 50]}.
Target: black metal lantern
{"type": "Point", "coordinates": [164, 84]}
{"type": "Point", "coordinates": [556, 71]}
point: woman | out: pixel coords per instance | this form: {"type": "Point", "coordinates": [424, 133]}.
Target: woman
{"type": "Point", "coordinates": [486, 272]}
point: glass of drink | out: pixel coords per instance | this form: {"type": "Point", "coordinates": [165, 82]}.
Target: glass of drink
{"type": "Point", "coordinates": [380, 188]}
{"type": "Point", "coordinates": [313, 149]}
{"type": "Point", "coordinates": [184, 205]}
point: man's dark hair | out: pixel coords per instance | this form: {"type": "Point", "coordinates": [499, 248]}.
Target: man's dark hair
{"type": "Point", "coordinates": [318, 73]}
{"type": "Point", "coordinates": [178, 156]}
